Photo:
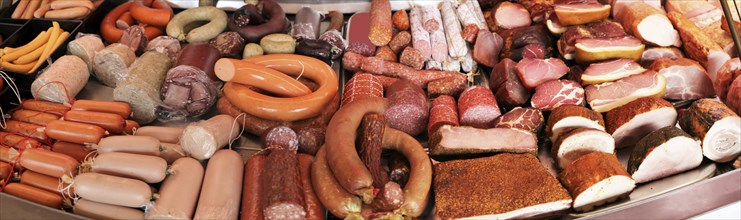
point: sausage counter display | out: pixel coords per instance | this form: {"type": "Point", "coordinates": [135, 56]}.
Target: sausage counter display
{"type": "Point", "coordinates": [452, 109]}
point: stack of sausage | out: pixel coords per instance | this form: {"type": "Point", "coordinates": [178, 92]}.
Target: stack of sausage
{"type": "Point", "coordinates": [55, 9]}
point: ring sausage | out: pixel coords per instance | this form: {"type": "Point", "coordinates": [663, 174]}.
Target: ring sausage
{"type": "Point", "coordinates": [120, 108]}
{"type": "Point", "coordinates": [222, 187]}
{"type": "Point", "coordinates": [251, 207]}
{"type": "Point", "coordinates": [264, 78]}
{"type": "Point", "coordinates": [417, 189]}
{"type": "Point", "coordinates": [337, 200]}
{"type": "Point", "coordinates": [129, 144]}
{"type": "Point", "coordinates": [282, 109]}
{"type": "Point", "coordinates": [49, 163]}
{"type": "Point", "coordinates": [112, 190]}
{"type": "Point", "coordinates": [150, 169]}
{"type": "Point", "coordinates": [108, 29]}
{"type": "Point", "coordinates": [112, 123]}
{"type": "Point", "coordinates": [98, 210]}
{"type": "Point", "coordinates": [164, 134]}
{"type": "Point", "coordinates": [125, 21]}
{"type": "Point", "coordinates": [253, 33]}
{"type": "Point", "coordinates": [74, 132]}
{"type": "Point", "coordinates": [179, 192]}
{"type": "Point", "coordinates": [35, 195]}
{"type": "Point", "coordinates": [158, 15]}
{"type": "Point", "coordinates": [342, 157]}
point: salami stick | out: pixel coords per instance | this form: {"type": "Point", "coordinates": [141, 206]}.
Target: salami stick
{"type": "Point", "coordinates": [476, 8]}
{"type": "Point", "coordinates": [420, 36]}
{"type": "Point", "coordinates": [437, 40]}
{"type": "Point", "coordinates": [381, 29]}
{"type": "Point", "coordinates": [429, 21]}
{"type": "Point", "coordinates": [456, 45]}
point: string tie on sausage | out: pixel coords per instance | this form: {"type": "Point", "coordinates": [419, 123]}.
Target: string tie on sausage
{"type": "Point", "coordinates": [234, 123]}
{"type": "Point", "coordinates": [14, 88]}
{"type": "Point", "coordinates": [302, 70]}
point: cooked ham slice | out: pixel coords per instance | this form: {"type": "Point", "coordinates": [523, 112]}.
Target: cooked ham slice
{"type": "Point", "coordinates": [655, 53]}
{"type": "Point", "coordinates": [508, 15]}
{"type": "Point", "coordinates": [595, 179]}
{"type": "Point", "coordinates": [663, 153]}
{"type": "Point", "coordinates": [629, 123]}
{"type": "Point", "coordinates": [685, 79]}
{"type": "Point", "coordinates": [600, 49]}
{"type": "Point", "coordinates": [464, 140]}
{"type": "Point", "coordinates": [607, 96]}
{"type": "Point", "coordinates": [610, 71]}
{"type": "Point", "coordinates": [555, 93]}
{"type": "Point", "coordinates": [727, 73]}
{"type": "Point", "coordinates": [580, 141]}
{"type": "Point", "coordinates": [533, 72]}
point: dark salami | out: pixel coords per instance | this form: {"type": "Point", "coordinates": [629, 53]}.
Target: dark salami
{"type": "Point", "coordinates": [379, 66]}
{"type": "Point", "coordinates": [478, 107]}
{"type": "Point", "coordinates": [400, 19]}
{"type": "Point", "coordinates": [444, 111]}
{"type": "Point", "coordinates": [229, 44]}
{"type": "Point", "coordinates": [400, 41]}
{"type": "Point", "coordinates": [412, 58]}
{"type": "Point", "coordinates": [361, 86]}
{"type": "Point", "coordinates": [386, 54]}
{"type": "Point", "coordinates": [361, 48]}
{"type": "Point", "coordinates": [352, 61]}
{"type": "Point", "coordinates": [281, 136]}
{"type": "Point", "coordinates": [407, 110]}
{"type": "Point", "coordinates": [470, 32]}
{"type": "Point", "coordinates": [310, 139]}
{"type": "Point", "coordinates": [199, 55]}
{"type": "Point", "coordinates": [371, 139]}
{"type": "Point", "coordinates": [399, 168]}
{"type": "Point", "coordinates": [282, 190]}
{"type": "Point", "coordinates": [452, 86]}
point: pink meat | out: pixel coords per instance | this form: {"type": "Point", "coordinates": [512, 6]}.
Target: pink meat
{"type": "Point", "coordinates": [444, 111]}
{"type": "Point", "coordinates": [534, 72]}
{"type": "Point", "coordinates": [528, 119]}
{"type": "Point", "coordinates": [509, 15]}
{"type": "Point", "coordinates": [487, 48]}
{"type": "Point", "coordinates": [627, 41]}
{"type": "Point", "coordinates": [725, 76]}
{"type": "Point", "coordinates": [469, 140]}
{"type": "Point", "coordinates": [507, 87]}
{"type": "Point", "coordinates": [686, 81]}
{"type": "Point", "coordinates": [478, 107]}
{"type": "Point", "coordinates": [535, 51]}
{"type": "Point", "coordinates": [600, 29]}
{"type": "Point", "coordinates": [606, 93]}
{"type": "Point", "coordinates": [733, 100]}
{"type": "Point", "coordinates": [555, 93]}
{"type": "Point", "coordinates": [407, 110]}
{"type": "Point", "coordinates": [611, 67]}
{"type": "Point", "coordinates": [651, 54]}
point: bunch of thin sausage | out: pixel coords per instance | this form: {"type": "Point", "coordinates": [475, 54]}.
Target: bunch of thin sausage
{"type": "Point", "coordinates": [55, 9]}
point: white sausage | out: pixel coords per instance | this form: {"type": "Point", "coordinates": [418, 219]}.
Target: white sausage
{"type": "Point", "coordinates": [112, 190]}
{"type": "Point", "coordinates": [96, 210]}
{"type": "Point", "coordinates": [150, 169]}
{"type": "Point", "coordinates": [164, 134]}
{"type": "Point", "coordinates": [201, 139]}
{"type": "Point", "coordinates": [179, 192]}
{"type": "Point", "coordinates": [222, 187]}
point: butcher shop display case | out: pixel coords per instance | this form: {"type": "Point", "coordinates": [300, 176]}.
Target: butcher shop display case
{"type": "Point", "coordinates": [694, 191]}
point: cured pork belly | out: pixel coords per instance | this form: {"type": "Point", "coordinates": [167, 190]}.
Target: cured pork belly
{"type": "Point", "coordinates": [595, 179]}
{"type": "Point", "coordinates": [651, 54]}
{"type": "Point", "coordinates": [607, 96]}
{"type": "Point", "coordinates": [698, 45]}
{"type": "Point", "coordinates": [610, 71]}
{"type": "Point", "coordinates": [599, 29]}
{"type": "Point", "coordinates": [685, 79]}
{"type": "Point", "coordinates": [717, 126]}
{"type": "Point", "coordinates": [663, 153]}
{"type": "Point", "coordinates": [601, 49]}
{"type": "Point", "coordinates": [580, 141]}
{"type": "Point", "coordinates": [568, 117]}
{"type": "Point", "coordinates": [463, 140]}
{"type": "Point", "coordinates": [631, 122]}
{"type": "Point", "coordinates": [523, 189]}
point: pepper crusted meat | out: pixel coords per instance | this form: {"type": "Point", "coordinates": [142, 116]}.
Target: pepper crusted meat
{"type": "Point", "coordinates": [371, 138]}
{"type": "Point", "coordinates": [282, 189]}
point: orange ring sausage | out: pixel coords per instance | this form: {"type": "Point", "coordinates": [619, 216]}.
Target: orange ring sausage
{"type": "Point", "coordinates": [125, 21]}
{"type": "Point", "coordinates": [277, 108]}
{"type": "Point", "coordinates": [108, 28]}
{"type": "Point", "coordinates": [265, 79]}
{"type": "Point", "coordinates": [159, 14]}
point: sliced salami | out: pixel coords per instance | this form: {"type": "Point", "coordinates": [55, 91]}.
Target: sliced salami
{"type": "Point", "coordinates": [478, 107]}
{"type": "Point", "coordinates": [444, 111]}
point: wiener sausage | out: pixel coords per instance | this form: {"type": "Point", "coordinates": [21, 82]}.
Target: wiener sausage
{"type": "Point", "coordinates": [338, 201]}
{"type": "Point", "coordinates": [74, 132]}
{"type": "Point", "coordinates": [282, 109]}
{"type": "Point", "coordinates": [49, 163]}
{"type": "Point", "coordinates": [45, 182]}
{"type": "Point", "coordinates": [45, 106]}
{"type": "Point", "coordinates": [251, 206]}
{"type": "Point", "coordinates": [33, 117]}
{"type": "Point", "coordinates": [112, 190]}
{"type": "Point", "coordinates": [129, 144]}
{"type": "Point", "coordinates": [27, 129]}
{"type": "Point", "coordinates": [342, 157]}
{"type": "Point", "coordinates": [417, 189]}
{"type": "Point", "coordinates": [263, 78]}
{"type": "Point", "coordinates": [171, 152]}
{"type": "Point", "coordinates": [222, 187]}
{"type": "Point", "coordinates": [98, 210]}
{"type": "Point", "coordinates": [120, 108]}
{"type": "Point", "coordinates": [150, 169]}
{"type": "Point", "coordinates": [158, 15]}
{"type": "Point", "coordinates": [62, 4]}
{"type": "Point", "coordinates": [77, 151]}
{"type": "Point", "coordinates": [314, 208]}
{"type": "Point", "coordinates": [33, 194]}
{"type": "Point", "coordinates": [17, 141]}
{"type": "Point", "coordinates": [179, 192]}
{"type": "Point", "coordinates": [112, 123]}
{"type": "Point", "coordinates": [67, 13]}
{"type": "Point", "coordinates": [164, 134]}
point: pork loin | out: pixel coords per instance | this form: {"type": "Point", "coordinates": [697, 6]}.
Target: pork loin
{"type": "Point", "coordinates": [568, 117]}
{"type": "Point", "coordinates": [726, 74]}
{"type": "Point", "coordinates": [649, 24]}
{"type": "Point", "coordinates": [523, 189]}
{"type": "Point", "coordinates": [717, 126]}
{"type": "Point", "coordinates": [533, 72]}
{"type": "Point", "coordinates": [580, 12]}
{"type": "Point", "coordinates": [607, 96]}
{"type": "Point", "coordinates": [655, 53]}
{"type": "Point", "coordinates": [595, 179]}
{"type": "Point", "coordinates": [506, 85]}
{"type": "Point", "coordinates": [701, 13]}
{"type": "Point", "coordinates": [600, 49]}
{"type": "Point", "coordinates": [577, 142]}
{"type": "Point", "coordinates": [610, 71]}
{"type": "Point", "coordinates": [698, 45]}
{"type": "Point", "coordinates": [508, 15]}
{"type": "Point", "coordinates": [663, 153]}
{"type": "Point", "coordinates": [631, 122]}
{"type": "Point", "coordinates": [528, 119]}
{"type": "Point", "coordinates": [599, 29]}
{"type": "Point", "coordinates": [685, 79]}
{"type": "Point", "coordinates": [554, 93]}
{"type": "Point", "coordinates": [464, 140]}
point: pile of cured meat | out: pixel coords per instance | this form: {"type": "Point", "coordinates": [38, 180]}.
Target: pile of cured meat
{"type": "Point", "coordinates": [587, 78]}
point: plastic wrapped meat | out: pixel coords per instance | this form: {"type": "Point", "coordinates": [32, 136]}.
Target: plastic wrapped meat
{"type": "Point", "coordinates": [187, 92]}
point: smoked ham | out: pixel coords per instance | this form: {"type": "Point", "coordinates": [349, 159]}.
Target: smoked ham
{"type": "Point", "coordinates": [600, 29]}
{"type": "Point", "coordinates": [717, 126]}
{"type": "Point", "coordinates": [610, 71]}
{"type": "Point", "coordinates": [571, 12]}
{"type": "Point", "coordinates": [727, 73]}
{"type": "Point", "coordinates": [685, 79]}
{"type": "Point", "coordinates": [568, 117]}
{"type": "Point", "coordinates": [595, 179]}
{"type": "Point", "coordinates": [580, 141]}
{"type": "Point", "coordinates": [619, 5]}
{"type": "Point", "coordinates": [631, 122]}
{"type": "Point", "coordinates": [663, 153]}
{"type": "Point", "coordinates": [506, 85]}
{"type": "Point", "coordinates": [463, 140]}
{"type": "Point", "coordinates": [534, 72]}
{"type": "Point", "coordinates": [698, 46]}
{"type": "Point", "coordinates": [600, 49]}
{"type": "Point", "coordinates": [555, 93]}
{"type": "Point", "coordinates": [508, 15]}
{"type": "Point", "coordinates": [487, 48]}
{"type": "Point", "coordinates": [733, 99]}
{"type": "Point", "coordinates": [528, 119]}
{"type": "Point", "coordinates": [607, 96]}
{"type": "Point", "coordinates": [651, 54]}
{"type": "Point", "coordinates": [649, 24]}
